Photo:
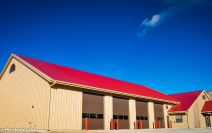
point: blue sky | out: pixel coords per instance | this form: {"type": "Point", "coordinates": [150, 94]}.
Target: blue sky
{"type": "Point", "coordinates": [165, 45]}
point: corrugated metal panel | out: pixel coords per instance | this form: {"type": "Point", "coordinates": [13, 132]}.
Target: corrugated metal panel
{"type": "Point", "coordinates": [73, 76]}
{"type": "Point", "coordinates": [108, 111]}
{"type": "Point", "coordinates": [142, 110]}
{"type": "Point", "coordinates": [121, 107]}
{"type": "Point", "coordinates": [158, 111]}
{"type": "Point", "coordinates": [24, 98]}
{"type": "Point", "coordinates": [196, 119]}
{"type": "Point", "coordinates": [151, 115]}
{"type": "Point", "coordinates": [132, 112]}
{"type": "Point", "coordinates": [65, 109]}
{"type": "Point", "coordinates": [93, 104]}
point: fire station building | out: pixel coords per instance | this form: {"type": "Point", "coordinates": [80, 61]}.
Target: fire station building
{"type": "Point", "coordinates": [41, 95]}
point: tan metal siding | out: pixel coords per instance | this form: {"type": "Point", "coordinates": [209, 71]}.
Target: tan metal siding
{"type": "Point", "coordinates": [183, 124]}
{"type": "Point", "coordinates": [19, 91]}
{"type": "Point", "coordinates": [132, 113]}
{"type": "Point", "coordinates": [196, 119]}
{"type": "Point", "coordinates": [108, 111]}
{"type": "Point", "coordinates": [151, 115]}
{"type": "Point", "coordinates": [65, 109]}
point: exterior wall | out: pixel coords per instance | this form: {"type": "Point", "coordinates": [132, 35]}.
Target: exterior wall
{"type": "Point", "coordinates": [65, 108]}
{"type": "Point", "coordinates": [196, 119]}
{"type": "Point", "coordinates": [132, 113]}
{"type": "Point", "coordinates": [165, 114]}
{"type": "Point", "coordinates": [108, 111]}
{"type": "Point", "coordinates": [183, 124]}
{"type": "Point", "coordinates": [151, 114]}
{"type": "Point", "coordinates": [211, 119]}
{"type": "Point", "coordinates": [24, 98]}
{"type": "Point", "coordinates": [210, 94]}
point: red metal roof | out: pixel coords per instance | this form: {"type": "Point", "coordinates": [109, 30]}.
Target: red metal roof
{"type": "Point", "coordinates": [207, 107]}
{"type": "Point", "coordinates": [71, 75]}
{"type": "Point", "coordinates": [186, 100]}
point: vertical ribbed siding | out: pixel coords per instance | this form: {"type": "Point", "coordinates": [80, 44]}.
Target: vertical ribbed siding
{"type": "Point", "coordinates": [132, 113]}
{"type": "Point", "coordinates": [151, 114]}
{"type": "Point", "coordinates": [65, 109]}
{"type": "Point", "coordinates": [165, 114]}
{"type": "Point", "coordinates": [196, 119]}
{"type": "Point", "coordinates": [108, 111]}
{"type": "Point", "coordinates": [19, 91]}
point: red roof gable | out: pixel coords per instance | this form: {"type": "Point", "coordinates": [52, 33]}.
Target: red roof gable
{"type": "Point", "coordinates": [71, 75]}
{"type": "Point", "coordinates": [186, 100]}
{"type": "Point", "coordinates": [207, 107]}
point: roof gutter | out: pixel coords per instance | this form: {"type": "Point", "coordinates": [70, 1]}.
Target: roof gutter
{"type": "Point", "coordinates": [178, 112]}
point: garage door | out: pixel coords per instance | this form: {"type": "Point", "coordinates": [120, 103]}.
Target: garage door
{"type": "Point", "coordinates": [92, 111]}
{"type": "Point", "coordinates": [159, 119]}
{"type": "Point", "coordinates": [121, 112]}
{"type": "Point", "coordinates": [142, 115]}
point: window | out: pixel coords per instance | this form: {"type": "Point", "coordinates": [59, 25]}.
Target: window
{"type": "Point", "coordinates": [179, 118]}
{"type": "Point", "coordinates": [121, 117]}
{"type": "Point", "coordinates": [100, 116]}
{"type": "Point", "coordinates": [203, 97]}
{"type": "Point", "coordinates": [159, 118]}
{"type": "Point", "coordinates": [92, 116]}
{"type": "Point", "coordinates": [115, 116]}
{"type": "Point", "coordinates": [125, 117]}
{"type": "Point", "coordinates": [12, 68]}
{"type": "Point", "coordinates": [167, 106]}
{"type": "Point", "coordinates": [85, 115]}
{"type": "Point", "coordinates": [141, 118]}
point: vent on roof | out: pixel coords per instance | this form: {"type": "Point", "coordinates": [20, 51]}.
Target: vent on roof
{"type": "Point", "coordinates": [12, 68]}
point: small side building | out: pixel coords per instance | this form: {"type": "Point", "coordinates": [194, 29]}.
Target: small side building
{"type": "Point", "coordinates": [194, 110]}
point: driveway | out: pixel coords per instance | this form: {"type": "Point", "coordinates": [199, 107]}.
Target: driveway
{"type": "Point", "coordinates": [190, 130]}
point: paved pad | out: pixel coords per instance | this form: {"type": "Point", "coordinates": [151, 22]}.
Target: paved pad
{"type": "Point", "coordinates": [190, 130]}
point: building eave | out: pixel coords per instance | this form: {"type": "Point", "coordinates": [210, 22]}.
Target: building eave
{"type": "Point", "coordinates": [206, 112]}
{"type": "Point", "coordinates": [178, 112]}
{"type": "Point", "coordinates": [113, 92]}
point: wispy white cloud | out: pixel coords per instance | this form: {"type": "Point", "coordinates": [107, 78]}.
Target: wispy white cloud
{"type": "Point", "coordinates": [149, 23]}
{"type": "Point", "coordinates": [152, 22]}
{"type": "Point", "coordinates": [173, 7]}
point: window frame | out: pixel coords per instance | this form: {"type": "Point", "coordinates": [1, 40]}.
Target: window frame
{"type": "Point", "coordinates": [179, 119]}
